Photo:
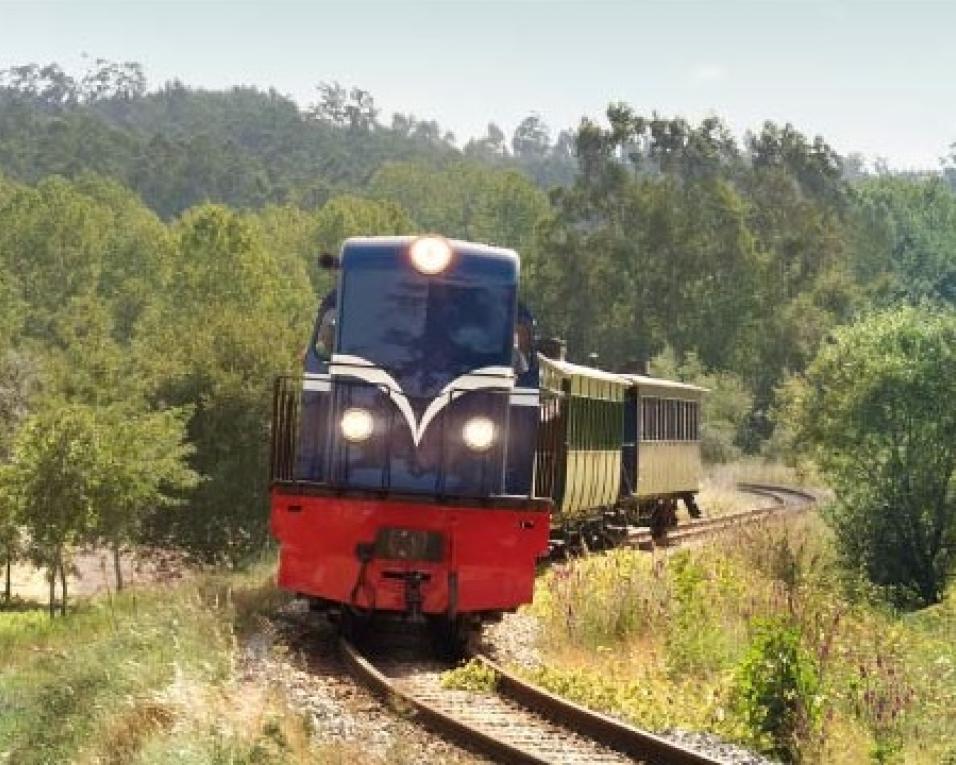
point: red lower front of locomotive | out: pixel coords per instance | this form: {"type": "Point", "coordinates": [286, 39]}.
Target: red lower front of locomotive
{"type": "Point", "coordinates": [406, 556]}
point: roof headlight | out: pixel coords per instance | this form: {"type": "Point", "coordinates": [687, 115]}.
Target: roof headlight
{"type": "Point", "coordinates": [357, 424]}
{"type": "Point", "coordinates": [479, 434]}
{"type": "Point", "coordinates": [430, 254]}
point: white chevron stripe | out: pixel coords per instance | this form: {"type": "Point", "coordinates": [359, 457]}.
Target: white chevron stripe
{"type": "Point", "coordinates": [524, 397]}
{"type": "Point", "coordinates": [486, 378]}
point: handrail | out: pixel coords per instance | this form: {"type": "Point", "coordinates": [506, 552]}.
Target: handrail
{"type": "Point", "coordinates": [288, 407]}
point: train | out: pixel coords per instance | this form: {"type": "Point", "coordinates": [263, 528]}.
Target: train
{"type": "Point", "coordinates": [431, 453]}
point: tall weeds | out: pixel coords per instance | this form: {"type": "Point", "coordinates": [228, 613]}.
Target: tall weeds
{"type": "Point", "coordinates": [676, 639]}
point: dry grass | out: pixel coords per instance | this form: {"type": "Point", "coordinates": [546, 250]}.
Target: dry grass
{"type": "Point", "coordinates": [718, 489]}
{"type": "Point", "coordinates": [661, 641]}
{"type": "Point", "coordinates": [150, 677]}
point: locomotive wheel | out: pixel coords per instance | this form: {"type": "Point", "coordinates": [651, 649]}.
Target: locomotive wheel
{"type": "Point", "coordinates": [354, 625]}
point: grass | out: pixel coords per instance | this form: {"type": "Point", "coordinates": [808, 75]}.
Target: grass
{"type": "Point", "coordinates": [719, 494]}
{"type": "Point", "coordinates": [149, 677]}
{"type": "Point", "coordinates": [668, 641]}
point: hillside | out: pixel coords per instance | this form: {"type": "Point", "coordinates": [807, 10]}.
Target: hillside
{"type": "Point", "coordinates": [177, 146]}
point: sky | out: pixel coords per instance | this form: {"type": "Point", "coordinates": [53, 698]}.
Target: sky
{"type": "Point", "coordinates": [872, 76]}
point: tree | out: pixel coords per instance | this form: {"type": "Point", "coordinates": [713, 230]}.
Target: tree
{"type": "Point", "coordinates": [352, 108]}
{"type": "Point", "coordinates": [877, 413]}
{"type": "Point", "coordinates": [53, 477]}
{"type": "Point", "coordinates": [345, 216]}
{"type": "Point", "coordinates": [909, 249]}
{"type": "Point", "coordinates": [18, 383]}
{"type": "Point", "coordinates": [10, 540]}
{"type": "Point", "coordinates": [234, 316]}
{"type": "Point", "coordinates": [112, 80]}
{"type": "Point", "coordinates": [465, 200]}
{"type": "Point", "coordinates": [531, 139]}
{"type": "Point", "coordinates": [142, 463]}
{"type": "Point", "coordinates": [491, 147]}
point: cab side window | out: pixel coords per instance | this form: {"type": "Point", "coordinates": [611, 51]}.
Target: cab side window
{"type": "Point", "coordinates": [325, 336]}
{"type": "Point", "coordinates": [521, 353]}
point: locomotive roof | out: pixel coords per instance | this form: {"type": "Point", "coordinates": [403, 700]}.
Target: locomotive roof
{"type": "Point", "coordinates": [387, 242]}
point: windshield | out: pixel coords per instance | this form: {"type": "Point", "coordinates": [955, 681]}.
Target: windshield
{"type": "Point", "coordinates": [425, 331]}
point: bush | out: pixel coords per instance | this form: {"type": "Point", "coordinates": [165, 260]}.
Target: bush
{"type": "Point", "coordinates": [776, 690]}
{"type": "Point", "coordinates": [471, 676]}
{"type": "Point", "coordinates": [877, 410]}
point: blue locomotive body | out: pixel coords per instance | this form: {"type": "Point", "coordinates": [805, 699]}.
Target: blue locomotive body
{"type": "Point", "coordinates": [415, 390]}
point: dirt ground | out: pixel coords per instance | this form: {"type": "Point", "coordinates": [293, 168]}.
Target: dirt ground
{"type": "Point", "coordinates": [93, 573]}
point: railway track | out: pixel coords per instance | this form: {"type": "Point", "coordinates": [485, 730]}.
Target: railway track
{"type": "Point", "coordinates": [520, 723]}
{"type": "Point", "coordinates": [783, 499]}
{"type": "Point", "coordinates": [516, 723]}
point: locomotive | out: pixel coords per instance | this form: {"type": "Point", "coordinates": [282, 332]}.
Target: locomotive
{"type": "Point", "coordinates": [429, 456]}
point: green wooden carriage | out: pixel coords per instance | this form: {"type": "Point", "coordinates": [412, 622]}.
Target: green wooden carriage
{"type": "Point", "coordinates": [587, 426]}
{"type": "Point", "coordinates": [665, 465]}
{"type": "Point", "coordinates": [616, 442]}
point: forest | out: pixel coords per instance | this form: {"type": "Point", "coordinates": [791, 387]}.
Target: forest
{"type": "Point", "coordinates": [158, 270]}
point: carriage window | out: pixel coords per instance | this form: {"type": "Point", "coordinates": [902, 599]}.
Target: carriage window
{"type": "Point", "coordinates": [649, 406]}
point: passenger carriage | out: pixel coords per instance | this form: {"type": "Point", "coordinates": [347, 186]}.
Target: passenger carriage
{"type": "Point", "coordinates": [661, 451]}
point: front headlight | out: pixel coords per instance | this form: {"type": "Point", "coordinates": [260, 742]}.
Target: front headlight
{"type": "Point", "coordinates": [430, 254]}
{"type": "Point", "coordinates": [478, 433]}
{"type": "Point", "coordinates": [357, 424]}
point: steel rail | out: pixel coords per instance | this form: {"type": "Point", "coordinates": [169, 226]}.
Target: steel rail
{"type": "Point", "coordinates": [624, 743]}
{"type": "Point", "coordinates": [431, 716]}
{"type": "Point", "coordinates": [614, 734]}
{"type": "Point", "coordinates": [785, 498]}
{"type": "Point", "coordinates": [540, 707]}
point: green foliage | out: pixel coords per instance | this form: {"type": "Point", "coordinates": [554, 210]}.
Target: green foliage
{"type": "Point", "coordinates": [695, 642]}
{"type": "Point", "coordinates": [473, 675]}
{"type": "Point", "coordinates": [79, 472]}
{"type": "Point", "coordinates": [877, 412]}
{"type": "Point", "coordinates": [345, 216]}
{"type": "Point", "coordinates": [67, 242]}
{"type": "Point", "coordinates": [234, 317]}
{"type": "Point", "coordinates": [53, 474]}
{"type": "Point", "coordinates": [776, 690]}
{"type": "Point", "coordinates": [143, 458]}
{"type": "Point", "coordinates": [147, 677]}
{"type": "Point", "coordinates": [646, 699]}
{"type": "Point", "coordinates": [910, 250]}
{"type": "Point", "coordinates": [465, 200]}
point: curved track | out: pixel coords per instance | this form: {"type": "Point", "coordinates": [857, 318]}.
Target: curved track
{"type": "Point", "coordinates": [521, 723]}
{"type": "Point", "coordinates": [517, 722]}
{"type": "Point", "coordinates": [783, 499]}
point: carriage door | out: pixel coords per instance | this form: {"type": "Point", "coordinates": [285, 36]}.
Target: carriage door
{"type": "Point", "coordinates": [629, 450]}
